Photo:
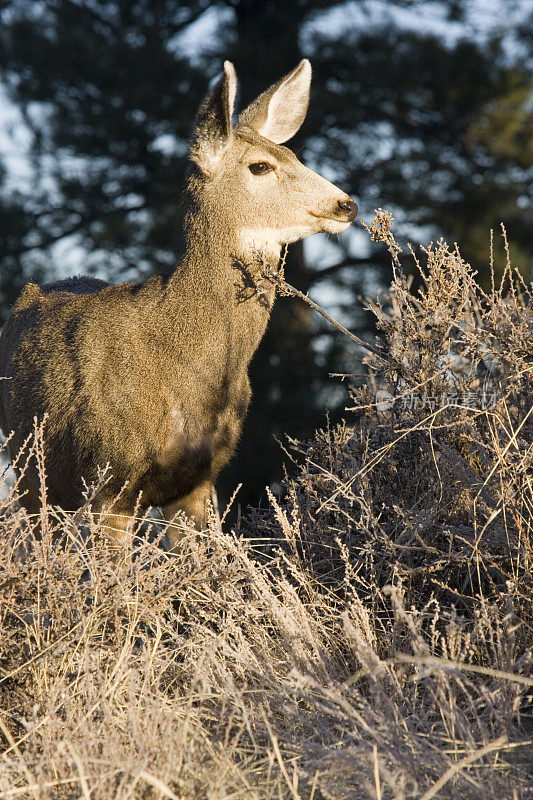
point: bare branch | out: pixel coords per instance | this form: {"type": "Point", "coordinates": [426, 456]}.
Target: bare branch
{"type": "Point", "coordinates": [384, 357]}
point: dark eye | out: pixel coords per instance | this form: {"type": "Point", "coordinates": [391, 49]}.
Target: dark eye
{"type": "Point", "coordinates": [260, 168]}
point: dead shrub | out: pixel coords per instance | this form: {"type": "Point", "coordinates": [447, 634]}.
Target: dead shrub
{"type": "Point", "coordinates": [370, 635]}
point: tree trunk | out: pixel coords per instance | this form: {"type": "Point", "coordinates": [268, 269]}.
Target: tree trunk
{"type": "Point", "coordinates": [283, 371]}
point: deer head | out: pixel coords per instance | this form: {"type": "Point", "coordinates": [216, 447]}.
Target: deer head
{"type": "Point", "coordinates": [249, 182]}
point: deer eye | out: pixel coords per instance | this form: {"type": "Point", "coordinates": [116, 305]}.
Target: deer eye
{"type": "Point", "coordinates": [260, 168]}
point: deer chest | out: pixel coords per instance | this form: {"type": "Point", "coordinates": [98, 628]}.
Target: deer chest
{"type": "Point", "coordinates": [199, 440]}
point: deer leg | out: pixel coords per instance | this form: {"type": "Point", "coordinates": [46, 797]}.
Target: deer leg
{"type": "Point", "coordinates": [193, 505]}
{"type": "Point", "coordinates": [116, 525]}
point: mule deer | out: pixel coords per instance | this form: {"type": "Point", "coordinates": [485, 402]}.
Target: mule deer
{"type": "Point", "coordinates": [151, 378]}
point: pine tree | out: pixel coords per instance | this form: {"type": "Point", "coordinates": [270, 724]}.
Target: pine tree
{"type": "Point", "coordinates": [438, 132]}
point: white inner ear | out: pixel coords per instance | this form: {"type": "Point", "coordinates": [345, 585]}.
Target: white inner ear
{"type": "Point", "coordinates": [287, 107]}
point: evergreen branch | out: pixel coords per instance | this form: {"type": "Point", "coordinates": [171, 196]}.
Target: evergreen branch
{"type": "Point", "coordinates": [45, 242]}
{"type": "Point", "coordinates": [53, 238]}
{"type": "Point", "coordinates": [91, 12]}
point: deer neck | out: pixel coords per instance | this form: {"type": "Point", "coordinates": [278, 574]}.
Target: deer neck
{"type": "Point", "coordinates": [226, 283]}
{"type": "Point", "coordinates": [232, 262]}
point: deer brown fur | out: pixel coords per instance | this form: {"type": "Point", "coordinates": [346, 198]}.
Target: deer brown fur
{"type": "Point", "coordinates": [151, 379]}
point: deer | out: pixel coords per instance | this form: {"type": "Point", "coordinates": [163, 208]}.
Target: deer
{"type": "Point", "coordinates": [150, 379]}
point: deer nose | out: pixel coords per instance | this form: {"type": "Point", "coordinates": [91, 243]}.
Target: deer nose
{"type": "Point", "coordinates": [349, 207]}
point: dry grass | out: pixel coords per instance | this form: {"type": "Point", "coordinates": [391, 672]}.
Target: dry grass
{"type": "Point", "coordinates": [369, 636]}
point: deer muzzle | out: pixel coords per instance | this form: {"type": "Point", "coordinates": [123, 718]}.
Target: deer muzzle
{"type": "Point", "coordinates": [348, 207]}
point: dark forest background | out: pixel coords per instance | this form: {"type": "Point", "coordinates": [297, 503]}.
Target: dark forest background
{"type": "Point", "coordinates": [413, 109]}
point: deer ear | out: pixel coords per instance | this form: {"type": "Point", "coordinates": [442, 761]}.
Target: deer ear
{"type": "Point", "coordinates": [213, 132]}
{"type": "Point", "coordinates": [279, 112]}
